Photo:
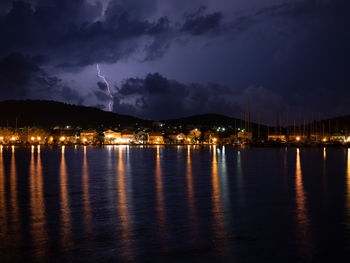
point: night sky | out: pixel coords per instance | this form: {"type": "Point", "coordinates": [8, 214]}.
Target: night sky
{"type": "Point", "coordinates": [173, 58]}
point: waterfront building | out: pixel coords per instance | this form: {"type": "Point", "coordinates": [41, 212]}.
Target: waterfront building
{"type": "Point", "coordinates": [8, 136]}
{"type": "Point", "coordinates": [155, 138]}
{"type": "Point", "coordinates": [127, 136]}
{"type": "Point", "coordinates": [316, 137]}
{"type": "Point", "coordinates": [194, 136]}
{"type": "Point", "coordinates": [277, 137]}
{"type": "Point", "coordinates": [141, 137]}
{"type": "Point", "coordinates": [297, 138]}
{"type": "Point", "coordinates": [244, 136]}
{"type": "Point", "coordinates": [38, 136]}
{"type": "Point", "coordinates": [63, 137]}
{"type": "Point", "coordinates": [88, 136]}
{"type": "Point", "coordinates": [177, 138]}
{"type": "Point", "coordinates": [211, 137]}
{"type": "Point", "coordinates": [112, 137]}
{"type": "Point", "coordinates": [326, 138]}
{"type": "Point", "coordinates": [337, 137]}
{"type": "Point", "coordinates": [14, 138]}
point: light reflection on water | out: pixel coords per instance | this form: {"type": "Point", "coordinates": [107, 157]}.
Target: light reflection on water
{"type": "Point", "coordinates": [15, 225]}
{"type": "Point", "coordinates": [160, 206]}
{"type": "Point", "coordinates": [304, 235]}
{"type": "Point", "coordinates": [191, 195]}
{"type": "Point", "coordinates": [324, 174]}
{"type": "Point", "coordinates": [240, 179]}
{"type": "Point", "coordinates": [86, 196]}
{"type": "Point", "coordinates": [123, 210]}
{"type": "Point", "coordinates": [215, 196]}
{"type": "Point", "coordinates": [3, 212]}
{"type": "Point", "coordinates": [37, 206]}
{"type": "Point", "coordinates": [219, 221]}
{"type": "Point", "coordinates": [66, 225]}
{"type": "Point", "coordinates": [348, 189]}
{"type": "Point", "coordinates": [224, 182]}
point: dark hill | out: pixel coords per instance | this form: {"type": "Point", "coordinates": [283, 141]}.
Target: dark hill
{"type": "Point", "coordinates": [334, 125]}
{"type": "Point", "coordinates": [206, 120]}
{"type": "Point", "coordinates": [47, 114]}
{"type": "Point", "coordinates": [51, 113]}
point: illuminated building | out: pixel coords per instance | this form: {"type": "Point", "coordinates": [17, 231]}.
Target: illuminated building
{"type": "Point", "coordinates": [112, 137]}
{"type": "Point", "coordinates": [194, 135]}
{"type": "Point", "coordinates": [155, 138]}
{"type": "Point", "coordinates": [245, 136]}
{"type": "Point", "coordinates": [63, 137]}
{"type": "Point", "coordinates": [141, 137]}
{"type": "Point", "coordinates": [88, 136]}
{"type": "Point", "coordinates": [337, 137]}
{"type": "Point", "coordinates": [128, 136]}
{"type": "Point", "coordinates": [277, 137]}
{"type": "Point", "coordinates": [316, 137]}
{"type": "Point", "coordinates": [211, 137]}
{"type": "Point", "coordinates": [297, 138]}
{"type": "Point", "coordinates": [177, 138]}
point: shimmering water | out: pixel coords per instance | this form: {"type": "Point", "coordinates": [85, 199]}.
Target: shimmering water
{"type": "Point", "coordinates": [174, 204]}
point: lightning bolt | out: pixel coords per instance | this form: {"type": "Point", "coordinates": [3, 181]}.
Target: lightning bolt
{"type": "Point", "coordinates": [109, 93]}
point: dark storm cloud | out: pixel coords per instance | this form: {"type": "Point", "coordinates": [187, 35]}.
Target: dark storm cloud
{"type": "Point", "coordinates": [136, 9]}
{"type": "Point", "coordinates": [287, 11]}
{"type": "Point", "coordinates": [301, 52]}
{"type": "Point", "coordinates": [5, 5]}
{"type": "Point", "coordinates": [102, 86]}
{"type": "Point", "coordinates": [297, 50]}
{"type": "Point", "coordinates": [16, 72]}
{"type": "Point", "coordinates": [21, 78]}
{"type": "Point", "coordinates": [73, 33]}
{"type": "Point", "coordinates": [162, 25]}
{"type": "Point", "coordinates": [78, 33]}
{"type": "Point", "coordinates": [156, 97]}
{"type": "Point", "coordinates": [321, 62]}
{"type": "Point", "coordinates": [198, 23]}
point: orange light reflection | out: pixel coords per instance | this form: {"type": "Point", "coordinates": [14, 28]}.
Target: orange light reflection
{"type": "Point", "coordinates": [123, 209]}
{"type": "Point", "coordinates": [3, 212]}
{"type": "Point", "coordinates": [348, 189]}
{"type": "Point", "coordinates": [218, 226]}
{"type": "Point", "coordinates": [37, 208]}
{"type": "Point", "coordinates": [190, 193]}
{"type": "Point", "coordinates": [86, 196]}
{"type": "Point", "coordinates": [302, 213]}
{"type": "Point", "coordinates": [13, 198]}
{"type": "Point", "coordinates": [65, 209]}
{"type": "Point", "coordinates": [160, 199]}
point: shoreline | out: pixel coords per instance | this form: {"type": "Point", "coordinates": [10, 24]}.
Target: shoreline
{"type": "Point", "coordinates": [249, 145]}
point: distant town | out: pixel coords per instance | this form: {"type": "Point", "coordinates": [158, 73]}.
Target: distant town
{"type": "Point", "coordinates": [53, 123]}
{"type": "Point", "coordinates": [160, 134]}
